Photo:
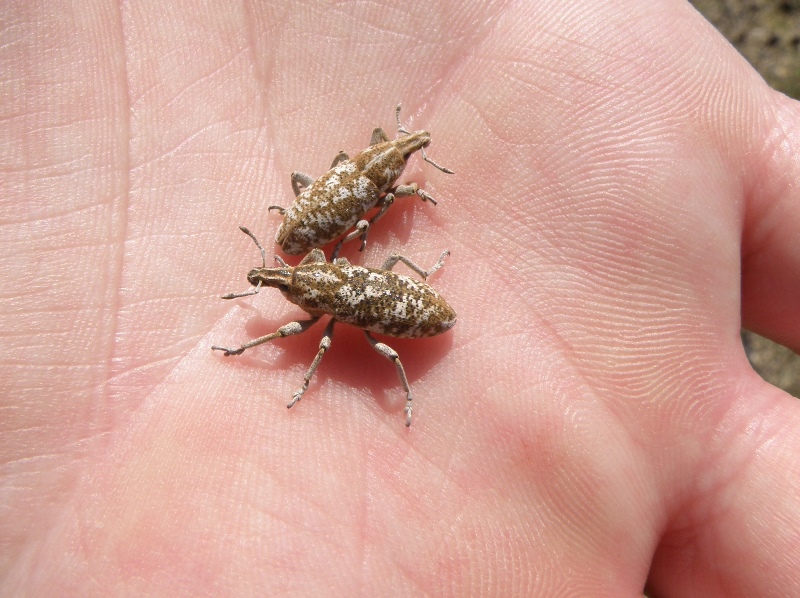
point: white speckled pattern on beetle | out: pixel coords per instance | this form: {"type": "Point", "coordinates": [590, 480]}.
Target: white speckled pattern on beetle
{"type": "Point", "coordinates": [374, 299]}
{"type": "Point", "coordinates": [331, 205]}
{"type": "Point", "coordinates": [337, 201]}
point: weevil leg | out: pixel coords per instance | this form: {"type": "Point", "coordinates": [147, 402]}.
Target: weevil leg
{"type": "Point", "coordinates": [378, 136]}
{"type": "Point", "coordinates": [340, 157]}
{"type": "Point", "coordinates": [405, 190]}
{"type": "Point", "coordinates": [392, 356]}
{"type": "Point", "coordinates": [289, 329]}
{"type": "Point", "coordinates": [281, 210]}
{"type": "Point", "coordinates": [324, 345]}
{"type": "Point", "coordinates": [360, 229]}
{"type": "Point", "coordinates": [385, 203]}
{"type": "Point", "coordinates": [314, 256]}
{"type": "Point", "coordinates": [412, 189]}
{"type": "Point", "coordinates": [392, 260]}
{"type": "Point", "coordinates": [300, 179]}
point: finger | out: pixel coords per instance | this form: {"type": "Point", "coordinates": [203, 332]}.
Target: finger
{"type": "Point", "coordinates": [736, 534]}
{"type": "Point", "coordinates": [771, 235]}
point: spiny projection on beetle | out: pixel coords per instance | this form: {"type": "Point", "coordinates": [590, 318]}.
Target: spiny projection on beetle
{"type": "Point", "coordinates": [328, 207]}
{"type": "Point", "coordinates": [373, 299]}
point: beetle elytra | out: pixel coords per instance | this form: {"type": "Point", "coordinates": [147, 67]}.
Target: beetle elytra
{"type": "Point", "coordinates": [328, 207]}
{"type": "Point", "coordinates": [376, 300]}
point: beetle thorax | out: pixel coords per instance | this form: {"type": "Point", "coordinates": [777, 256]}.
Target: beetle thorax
{"type": "Point", "coordinates": [384, 162]}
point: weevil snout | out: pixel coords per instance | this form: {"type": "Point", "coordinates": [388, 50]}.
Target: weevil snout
{"type": "Point", "coordinates": [279, 278]}
{"type": "Point", "coordinates": [412, 143]}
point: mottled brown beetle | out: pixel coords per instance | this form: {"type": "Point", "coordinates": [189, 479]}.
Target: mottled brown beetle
{"type": "Point", "coordinates": [338, 200]}
{"type": "Point", "coordinates": [376, 300]}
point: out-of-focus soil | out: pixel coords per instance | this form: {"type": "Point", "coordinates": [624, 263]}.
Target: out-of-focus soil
{"type": "Point", "coordinates": [767, 33]}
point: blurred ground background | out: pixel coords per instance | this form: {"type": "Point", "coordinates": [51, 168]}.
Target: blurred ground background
{"type": "Point", "coordinates": [767, 33]}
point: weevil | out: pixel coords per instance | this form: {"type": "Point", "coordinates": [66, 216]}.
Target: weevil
{"type": "Point", "coordinates": [328, 207]}
{"type": "Point", "coordinates": [373, 299]}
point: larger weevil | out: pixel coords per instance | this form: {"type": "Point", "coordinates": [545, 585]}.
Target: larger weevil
{"type": "Point", "coordinates": [374, 299]}
{"type": "Point", "coordinates": [328, 207]}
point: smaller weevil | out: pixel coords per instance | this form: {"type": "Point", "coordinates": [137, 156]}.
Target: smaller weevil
{"type": "Point", "coordinates": [338, 200]}
{"type": "Point", "coordinates": [376, 300]}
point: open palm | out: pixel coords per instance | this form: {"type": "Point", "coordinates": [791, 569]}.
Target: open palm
{"type": "Point", "coordinates": [625, 193]}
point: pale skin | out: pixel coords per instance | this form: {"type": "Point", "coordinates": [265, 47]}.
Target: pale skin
{"type": "Point", "coordinates": [626, 196]}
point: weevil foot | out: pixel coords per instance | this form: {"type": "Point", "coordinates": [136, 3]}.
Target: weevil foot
{"type": "Point", "coordinates": [295, 397]}
{"type": "Point", "coordinates": [227, 352]}
{"type": "Point", "coordinates": [324, 345]}
{"type": "Point", "coordinates": [407, 411]}
{"type": "Point", "coordinates": [426, 196]}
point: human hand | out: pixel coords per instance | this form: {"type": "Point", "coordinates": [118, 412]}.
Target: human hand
{"type": "Point", "coordinates": [625, 189]}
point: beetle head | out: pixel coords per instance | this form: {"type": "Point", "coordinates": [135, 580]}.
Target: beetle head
{"type": "Point", "coordinates": [412, 143]}
{"type": "Point", "coordinates": [280, 278]}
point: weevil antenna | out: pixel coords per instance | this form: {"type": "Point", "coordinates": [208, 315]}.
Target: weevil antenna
{"type": "Point", "coordinates": [400, 127]}
{"type": "Point", "coordinates": [260, 248]}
